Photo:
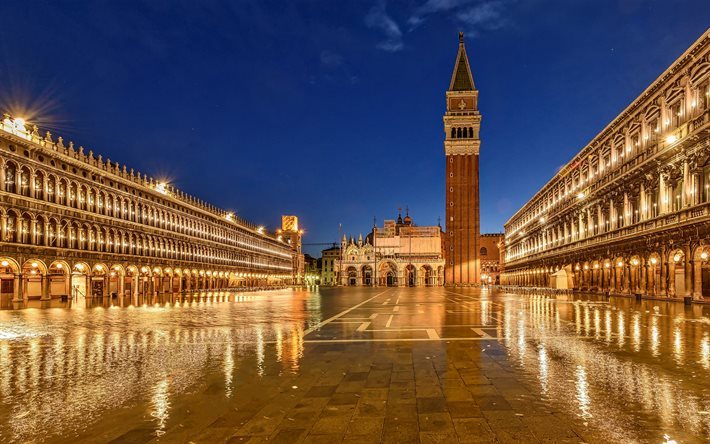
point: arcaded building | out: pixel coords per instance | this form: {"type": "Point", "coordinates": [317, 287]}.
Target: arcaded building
{"type": "Point", "coordinates": [399, 253]}
{"type": "Point", "coordinates": [630, 213]}
{"type": "Point", "coordinates": [76, 224]}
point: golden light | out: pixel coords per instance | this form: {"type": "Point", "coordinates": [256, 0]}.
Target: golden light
{"type": "Point", "coordinates": [677, 257]}
{"type": "Point", "coordinates": [671, 139]}
{"type": "Point", "coordinates": [161, 187]}
{"type": "Point", "coordinates": [60, 266]}
{"type": "Point", "coordinates": [634, 262]}
{"type": "Point", "coordinates": [79, 267]}
{"type": "Point", "coordinates": [229, 216]}
{"type": "Point", "coordinates": [99, 268]}
{"type": "Point", "coordinates": [653, 261]}
{"type": "Point", "coordinates": [620, 264]}
{"type": "Point", "coordinates": [4, 263]}
{"type": "Point", "coordinates": [260, 230]}
{"type": "Point", "coordinates": [34, 265]}
{"type": "Point", "coordinates": [704, 255]}
{"type": "Point", "coordinates": [580, 196]}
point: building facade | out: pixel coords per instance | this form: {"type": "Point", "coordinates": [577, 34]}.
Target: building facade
{"type": "Point", "coordinates": [312, 270]}
{"type": "Point", "coordinates": [489, 253]}
{"type": "Point", "coordinates": [462, 122]}
{"type": "Point", "coordinates": [74, 223]}
{"type": "Point", "coordinates": [630, 213]}
{"type": "Point", "coordinates": [330, 258]}
{"type": "Point", "coordinates": [293, 236]}
{"type": "Point", "coordinates": [397, 254]}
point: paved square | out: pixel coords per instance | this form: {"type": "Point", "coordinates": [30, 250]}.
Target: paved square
{"type": "Point", "coordinates": [366, 365]}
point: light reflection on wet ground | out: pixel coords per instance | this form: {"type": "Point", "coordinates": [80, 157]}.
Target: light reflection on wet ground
{"type": "Point", "coordinates": [170, 369]}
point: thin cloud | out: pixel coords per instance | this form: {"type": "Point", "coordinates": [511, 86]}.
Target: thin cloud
{"type": "Point", "coordinates": [485, 16]}
{"type": "Point", "coordinates": [330, 59]}
{"type": "Point", "coordinates": [378, 19]}
{"type": "Point", "coordinates": [433, 7]}
{"type": "Point", "coordinates": [474, 16]}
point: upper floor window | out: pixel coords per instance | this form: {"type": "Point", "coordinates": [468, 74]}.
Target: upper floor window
{"type": "Point", "coordinates": [676, 114]}
{"type": "Point", "coordinates": [484, 251]}
{"type": "Point", "coordinates": [703, 101]}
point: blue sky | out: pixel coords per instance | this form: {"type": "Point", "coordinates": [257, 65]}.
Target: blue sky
{"type": "Point", "coordinates": [332, 110]}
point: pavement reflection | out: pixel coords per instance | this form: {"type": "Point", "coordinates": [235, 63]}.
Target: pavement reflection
{"type": "Point", "coordinates": [329, 362]}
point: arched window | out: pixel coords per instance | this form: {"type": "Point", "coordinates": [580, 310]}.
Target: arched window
{"type": "Point", "coordinates": [484, 251]}
{"type": "Point", "coordinates": [458, 133]}
{"type": "Point", "coordinates": [470, 132]}
{"type": "Point", "coordinates": [453, 133]}
{"type": "Point", "coordinates": [10, 180]}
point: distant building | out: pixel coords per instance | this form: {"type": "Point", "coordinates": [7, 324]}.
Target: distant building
{"type": "Point", "coordinates": [291, 234]}
{"type": "Point", "coordinates": [312, 270]}
{"type": "Point", "coordinates": [490, 256]}
{"type": "Point", "coordinates": [397, 254]}
{"type": "Point", "coordinates": [328, 273]}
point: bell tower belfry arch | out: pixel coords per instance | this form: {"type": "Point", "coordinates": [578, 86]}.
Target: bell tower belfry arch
{"type": "Point", "coordinates": [462, 122]}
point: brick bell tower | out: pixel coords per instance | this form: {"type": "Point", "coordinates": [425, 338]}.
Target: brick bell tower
{"type": "Point", "coordinates": [462, 122]}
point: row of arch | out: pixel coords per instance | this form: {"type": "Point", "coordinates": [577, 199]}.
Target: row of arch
{"type": "Point", "coordinates": [685, 99]}
{"type": "Point", "coordinates": [680, 272]}
{"type": "Point", "coordinates": [390, 275]}
{"type": "Point", "coordinates": [672, 188]}
{"type": "Point", "coordinates": [462, 133]}
{"type": "Point", "coordinates": [49, 278]}
{"type": "Point", "coordinates": [68, 233]}
{"type": "Point", "coordinates": [35, 183]}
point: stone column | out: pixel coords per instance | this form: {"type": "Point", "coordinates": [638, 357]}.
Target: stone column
{"type": "Point", "coordinates": [18, 288]}
{"type": "Point", "coordinates": [643, 267]}
{"type": "Point", "coordinates": [33, 232]}
{"type": "Point", "coordinates": [3, 226]}
{"type": "Point", "coordinates": [627, 278]}
{"type": "Point", "coordinates": [120, 287]}
{"type": "Point", "coordinates": [663, 275]}
{"type": "Point", "coordinates": [32, 178]}
{"type": "Point", "coordinates": [45, 287]}
{"type": "Point", "coordinates": [685, 194]}
{"type": "Point", "coordinates": [688, 262]}
{"type": "Point", "coordinates": [671, 278]}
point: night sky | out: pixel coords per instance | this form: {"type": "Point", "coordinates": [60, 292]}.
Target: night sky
{"type": "Point", "coordinates": [332, 110]}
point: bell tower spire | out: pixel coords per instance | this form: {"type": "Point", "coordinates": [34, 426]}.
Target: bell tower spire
{"type": "Point", "coordinates": [461, 79]}
{"type": "Point", "coordinates": [462, 122]}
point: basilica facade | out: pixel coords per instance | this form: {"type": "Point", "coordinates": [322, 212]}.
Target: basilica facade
{"type": "Point", "coordinates": [630, 213]}
{"type": "Point", "coordinates": [397, 254]}
{"type": "Point", "coordinates": [75, 223]}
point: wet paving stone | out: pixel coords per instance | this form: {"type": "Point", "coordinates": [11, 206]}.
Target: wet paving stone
{"type": "Point", "coordinates": [263, 370]}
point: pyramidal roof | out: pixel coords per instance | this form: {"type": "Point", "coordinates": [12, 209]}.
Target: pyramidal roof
{"type": "Point", "coordinates": [461, 79]}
